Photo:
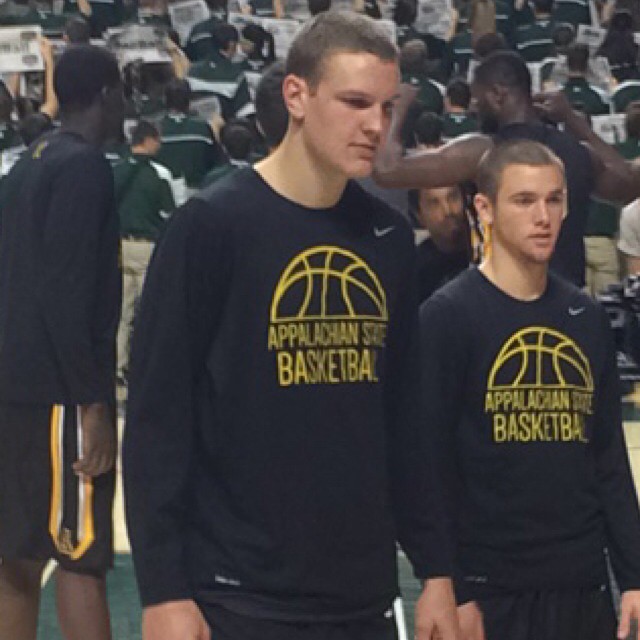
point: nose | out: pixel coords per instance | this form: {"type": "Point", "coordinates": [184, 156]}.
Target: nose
{"type": "Point", "coordinates": [375, 121]}
{"type": "Point", "coordinates": [542, 216]}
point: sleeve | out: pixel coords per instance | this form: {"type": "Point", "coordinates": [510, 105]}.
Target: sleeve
{"type": "Point", "coordinates": [443, 361]}
{"type": "Point", "coordinates": [79, 287]}
{"type": "Point", "coordinates": [615, 482]}
{"type": "Point", "coordinates": [166, 202]}
{"type": "Point", "coordinates": [181, 306]}
{"type": "Point", "coordinates": [416, 499]}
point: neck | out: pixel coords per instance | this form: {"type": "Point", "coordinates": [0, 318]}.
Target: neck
{"type": "Point", "coordinates": [82, 126]}
{"type": "Point", "coordinates": [521, 280]}
{"type": "Point", "coordinates": [522, 112]}
{"type": "Point", "coordinates": [292, 172]}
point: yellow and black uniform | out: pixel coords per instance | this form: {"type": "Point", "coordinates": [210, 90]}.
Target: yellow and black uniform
{"type": "Point", "coordinates": [523, 401]}
{"type": "Point", "coordinates": [271, 456]}
{"type": "Point", "coordinates": [60, 298]}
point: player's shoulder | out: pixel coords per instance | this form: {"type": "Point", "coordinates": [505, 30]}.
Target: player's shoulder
{"type": "Point", "coordinates": [375, 214]}
{"type": "Point", "coordinates": [576, 300]}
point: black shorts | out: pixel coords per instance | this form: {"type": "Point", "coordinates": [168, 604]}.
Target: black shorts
{"type": "Point", "coordinates": [563, 614]}
{"type": "Point", "coordinates": [227, 625]}
{"type": "Point", "coordinates": [46, 511]}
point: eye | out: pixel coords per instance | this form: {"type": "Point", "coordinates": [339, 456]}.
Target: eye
{"type": "Point", "coordinates": [387, 108]}
{"type": "Point", "coordinates": [357, 103]}
{"type": "Point", "coordinates": [557, 199]}
{"type": "Point", "coordinates": [524, 201]}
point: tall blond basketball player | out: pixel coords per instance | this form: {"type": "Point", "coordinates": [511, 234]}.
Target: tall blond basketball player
{"type": "Point", "coordinates": [521, 396]}
{"type": "Point", "coordinates": [272, 455]}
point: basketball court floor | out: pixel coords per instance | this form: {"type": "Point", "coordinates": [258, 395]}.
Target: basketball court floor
{"type": "Point", "coordinates": [123, 597]}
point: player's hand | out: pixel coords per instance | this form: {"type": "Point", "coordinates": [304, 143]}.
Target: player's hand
{"type": "Point", "coordinates": [629, 610]}
{"type": "Point", "coordinates": [176, 620]}
{"type": "Point", "coordinates": [435, 615]}
{"type": "Point", "coordinates": [470, 618]}
{"type": "Point", "coordinates": [98, 440]}
{"type": "Point", "coordinates": [553, 105]}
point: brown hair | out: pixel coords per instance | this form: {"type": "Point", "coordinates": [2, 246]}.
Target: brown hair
{"type": "Point", "coordinates": [333, 32]}
{"type": "Point", "coordinates": [497, 159]}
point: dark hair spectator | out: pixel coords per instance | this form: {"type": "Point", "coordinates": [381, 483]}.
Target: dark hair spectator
{"type": "Point", "coordinates": [272, 114]}
{"type": "Point", "coordinates": [77, 30]}
{"type": "Point", "coordinates": [542, 7]}
{"type": "Point", "coordinates": [236, 137]}
{"type": "Point", "coordinates": [578, 59]}
{"type": "Point", "coordinates": [428, 129]}
{"type": "Point", "coordinates": [486, 44]}
{"type": "Point", "coordinates": [143, 131]}
{"type": "Point", "coordinates": [563, 36]}
{"type": "Point", "coordinates": [413, 57]}
{"type": "Point", "coordinates": [264, 48]}
{"type": "Point", "coordinates": [459, 93]}
{"type": "Point", "coordinates": [619, 47]}
{"type": "Point", "coordinates": [225, 35]}
{"type": "Point", "coordinates": [177, 95]}
{"type": "Point", "coordinates": [505, 68]}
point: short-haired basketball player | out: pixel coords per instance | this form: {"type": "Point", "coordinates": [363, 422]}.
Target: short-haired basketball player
{"type": "Point", "coordinates": [271, 457]}
{"type": "Point", "coordinates": [521, 393]}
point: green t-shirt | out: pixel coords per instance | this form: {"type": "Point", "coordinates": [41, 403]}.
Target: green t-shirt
{"type": "Point", "coordinates": [586, 97]}
{"type": "Point", "coordinates": [534, 42]}
{"type": "Point", "coordinates": [143, 196]}
{"type": "Point", "coordinates": [429, 92]}
{"type": "Point", "coordinates": [226, 80]}
{"type": "Point", "coordinates": [457, 124]}
{"type": "Point", "coordinates": [457, 55]}
{"type": "Point", "coordinates": [572, 12]}
{"type": "Point", "coordinates": [189, 149]}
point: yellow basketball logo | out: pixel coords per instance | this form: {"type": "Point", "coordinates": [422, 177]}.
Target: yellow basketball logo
{"type": "Point", "coordinates": [540, 357]}
{"type": "Point", "coordinates": [328, 282]}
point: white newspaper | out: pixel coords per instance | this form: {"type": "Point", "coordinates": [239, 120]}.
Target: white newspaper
{"type": "Point", "coordinates": [593, 37]}
{"type": "Point", "coordinates": [434, 17]}
{"type": "Point", "coordinates": [185, 15]}
{"type": "Point", "coordinates": [610, 127]}
{"type": "Point", "coordinates": [20, 50]}
{"type": "Point", "coordinates": [138, 43]}
{"type": "Point", "coordinates": [283, 31]}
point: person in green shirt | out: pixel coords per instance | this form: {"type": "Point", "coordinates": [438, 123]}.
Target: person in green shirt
{"type": "Point", "coordinates": [220, 75]}
{"type": "Point", "coordinates": [413, 59]}
{"type": "Point", "coordinates": [236, 139]}
{"type": "Point", "coordinates": [534, 42]}
{"type": "Point", "coordinates": [603, 221]}
{"type": "Point", "coordinates": [189, 148]}
{"type": "Point", "coordinates": [145, 202]}
{"type": "Point", "coordinates": [457, 120]}
{"type": "Point", "coordinates": [582, 95]}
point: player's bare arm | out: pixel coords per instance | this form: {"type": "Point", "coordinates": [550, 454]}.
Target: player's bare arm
{"type": "Point", "coordinates": [453, 163]}
{"type": "Point", "coordinates": [617, 179]}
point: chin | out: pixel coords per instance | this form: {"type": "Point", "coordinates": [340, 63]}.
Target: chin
{"type": "Point", "coordinates": [361, 169]}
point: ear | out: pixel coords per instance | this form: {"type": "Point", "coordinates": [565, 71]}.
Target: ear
{"type": "Point", "coordinates": [484, 207]}
{"type": "Point", "coordinates": [295, 92]}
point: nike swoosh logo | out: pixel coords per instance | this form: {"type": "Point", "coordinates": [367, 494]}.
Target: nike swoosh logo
{"type": "Point", "coordinates": [575, 311]}
{"type": "Point", "coordinates": [378, 233]}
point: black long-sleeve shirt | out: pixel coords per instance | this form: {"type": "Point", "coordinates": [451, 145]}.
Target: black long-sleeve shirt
{"type": "Point", "coordinates": [271, 420]}
{"type": "Point", "coordinates": [59, 275]}
{"type": "Point", "coordinates": [523, 400]}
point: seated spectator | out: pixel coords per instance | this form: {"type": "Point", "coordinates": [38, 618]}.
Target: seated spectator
{"type": "Point", "coordinates": [413, 60]}
{"type": "Point", "coordinates": [488, 43]}
{"type": "Point", "coordinates": [101, 14]}
{"type": "Point", "coordinates": [9, 136]}
{"type": "Point", "coordinates": [619, 47]}
{"type": "Point", "coordinates": [264, 8]}
{"type": "Point", "coordinates": [404, 15]}
{"type": "Point", "coordinates": [427, 131]}
{"type": "Point", "coordinates": [145, 202]}
{"type": "Point", "coordinates": [189, 148]}
{"type": "Point", "coordinates": [77, 30]}
{"type": "Point", "coordinates": [458, 55]}
{"type": "Point", "coordinates": [534, 42]}
{"type": "Point", "coordinates": [272, 115]}
{"type": "Point", "coordinates": [221, 75]}
{"type": "Point", "coordinates": [457, 120]}
{"type": "Point", "coordinates": [236, 139]}
{"type": "Point", "coordinates": [564, 35]}
{"type": "Point", "coordinates": [444, 248]}
{"type": "Point", "coordinates": [262, 48]}
{"type": "Point", "coordinates": [582, 95]}
{"type": "Point", "coordinates": [201, 41]}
